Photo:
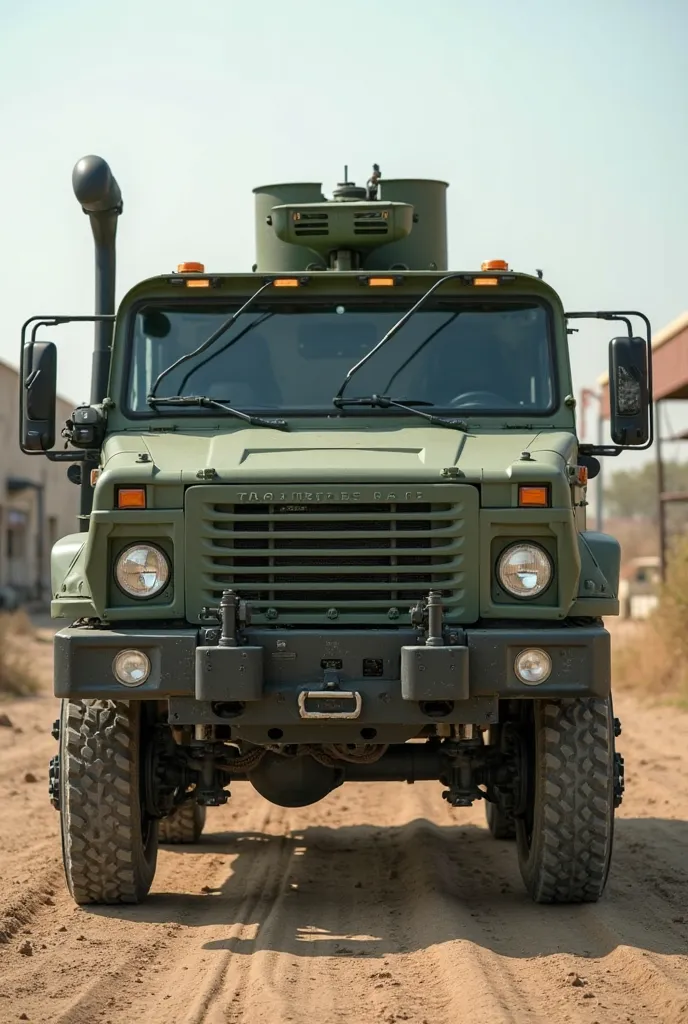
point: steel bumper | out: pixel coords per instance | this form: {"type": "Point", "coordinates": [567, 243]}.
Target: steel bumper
{"type": "Point", "coordinates": [389, 672]}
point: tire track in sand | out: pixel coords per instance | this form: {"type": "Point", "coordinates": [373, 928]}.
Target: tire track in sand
{"type": "Point", "coordinates": [380, 904]}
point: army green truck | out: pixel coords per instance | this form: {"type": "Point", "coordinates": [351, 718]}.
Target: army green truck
{"type": "Point", "coordinates": [332, 529]}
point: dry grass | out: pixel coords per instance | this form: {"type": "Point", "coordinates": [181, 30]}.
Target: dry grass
{"type": "Point", "coordinates": [18, 676]}
{"type": "Point", "coordinates": [652, 655]}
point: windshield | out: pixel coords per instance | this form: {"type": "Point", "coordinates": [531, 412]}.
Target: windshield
{"type": "Point", "coordinates": [487, 358]}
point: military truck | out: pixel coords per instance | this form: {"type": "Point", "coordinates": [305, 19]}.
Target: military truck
{"type": "Point", "coordinates": [332, 529]}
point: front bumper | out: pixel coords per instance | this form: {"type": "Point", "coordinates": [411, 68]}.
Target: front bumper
{"type": "Point", "coordinates": [394, 680]}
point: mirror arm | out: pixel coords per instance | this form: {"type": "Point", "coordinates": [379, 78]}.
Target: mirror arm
{"type": "Point", "coordinates": [623, 315]}
{"type": "Point", "coordinates": [34, 324]}
{"type": "Point", "coordinates": [600, 449]}
{"type": "Point", "coordinates": [86, 455]}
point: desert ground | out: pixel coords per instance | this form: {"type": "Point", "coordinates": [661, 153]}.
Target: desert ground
{"type": "Point", "coordinates": [379, 904]}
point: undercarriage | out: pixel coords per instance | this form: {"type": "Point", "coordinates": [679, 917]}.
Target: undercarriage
{"type": "Point", "coordinates": [284, 712]}
{"type": "Point", "coordinates": [548, 773]}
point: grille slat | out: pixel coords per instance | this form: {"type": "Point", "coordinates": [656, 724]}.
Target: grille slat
{"type": "Point", "coordinates": [277, 568]}
{"type": "Point", "coordinates": [297, 560]}
{"type": "Point", "coordinates": [340, 552]}
{"type": "Point", "coordinates": [325, 535]}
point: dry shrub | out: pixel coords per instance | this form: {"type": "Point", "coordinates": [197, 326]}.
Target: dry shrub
{"type": "Point", "coordinates": [20, 624]}
{"type": "Point", "coordinates": [18, 677]}
{"type": "Point", "coordinates": [653, 655]}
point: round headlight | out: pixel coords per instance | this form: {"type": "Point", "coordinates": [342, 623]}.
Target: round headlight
{"type": "Point", "coordinates": [142, 570]}
{"type": "Point", "coordinates": [524, 570]}
{"type": "Point", "coordinates": [533, 666]}
{"type": "Point", "coordinates": [131, 668]}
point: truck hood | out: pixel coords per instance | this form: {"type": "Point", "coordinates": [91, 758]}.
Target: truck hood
{"type": "Point", "coordinates": [364, 454]}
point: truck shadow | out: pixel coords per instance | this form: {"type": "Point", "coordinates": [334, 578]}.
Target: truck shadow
{"type": "Point", "coordinates": [364, 891]}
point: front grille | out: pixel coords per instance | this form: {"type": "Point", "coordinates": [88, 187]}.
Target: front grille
{"type": "Point", "coordinates": [298, 562]}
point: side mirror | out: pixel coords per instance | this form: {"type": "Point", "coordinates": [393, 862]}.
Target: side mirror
{"type": "Point", "coordinates": [629, 400]}
{"type": "Point", "coordinates": [39, 397]}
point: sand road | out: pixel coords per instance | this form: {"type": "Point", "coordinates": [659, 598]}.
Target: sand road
{"type": "Point", "coordinates": [378, 904]}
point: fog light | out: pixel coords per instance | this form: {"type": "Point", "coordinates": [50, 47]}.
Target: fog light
{"type": "Point", "coordinates": [131, 668]}
{"type": "Point", "coordinates": [533, 666]}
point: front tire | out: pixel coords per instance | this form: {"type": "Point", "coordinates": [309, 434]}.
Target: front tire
{"type": "Point", "coordinates": [184, 825]}
{"type": "Point", "coordinates": [565, 835]}
{"type": "Point", "coordinates": [109, 843]}
{"type": "Point", "coordinates": [500, 823]}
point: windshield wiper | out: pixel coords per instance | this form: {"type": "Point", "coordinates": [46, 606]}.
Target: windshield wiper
{"type": "Point", "coordinates": [223, 348]}
{"type": "Point", "coordinates": [393, 330]}
{"type": "Point", "coordinates": [419, 349]}
{"type": "Point", "coordinates": [215, 403]}
{"type": "Point", "coordinates": [222, 329]}
{"type": "Point", "coordinates": [384, 402]}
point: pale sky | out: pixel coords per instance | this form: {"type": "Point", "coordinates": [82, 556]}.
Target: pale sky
{"type": "Point", "coordinates": [561, 127]}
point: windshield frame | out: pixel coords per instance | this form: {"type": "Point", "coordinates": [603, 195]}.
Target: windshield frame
{"type": "Point", "coordinates": [401, 304]}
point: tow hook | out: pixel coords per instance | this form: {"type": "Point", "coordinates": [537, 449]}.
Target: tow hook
{"type": "Point", "coordinates": [54, 781]}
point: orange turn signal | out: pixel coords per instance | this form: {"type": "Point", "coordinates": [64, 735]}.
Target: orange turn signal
{"type": "Point", "coordinates": [286, 282]}
{"type": "Point", "coordinates": [582, 475]}
{"type": "Point", "coordinates": [131, 497]}
{"type": "Point", "coordinates": [494, 265]}
{"type": "Point", "coordinates": [485, 280]}
{"type": "Point", "coordinates": [533, 497]}
{"type": "Point", "coordinates": [190, 268]}
{"type": "Point", "coordinates": [381, 282]}
{"type": "Point", "coordinates": [197, 282]}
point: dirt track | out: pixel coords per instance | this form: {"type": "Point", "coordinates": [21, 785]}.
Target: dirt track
{"type": "Point", "coordinates": [378, 904]}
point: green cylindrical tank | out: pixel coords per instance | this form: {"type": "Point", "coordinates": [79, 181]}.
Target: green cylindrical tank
{"type": "Point", "coordinates": [426, 246]}
{"type": "Point", "coordinates": [272, 255]}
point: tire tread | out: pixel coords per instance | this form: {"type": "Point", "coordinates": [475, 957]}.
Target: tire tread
{"type": "Point", "coordinates": [183, 825]}
{"type": "Point", "coordinates": [573, 831]}
{"type": "Point", "coordinates": [102, 843]}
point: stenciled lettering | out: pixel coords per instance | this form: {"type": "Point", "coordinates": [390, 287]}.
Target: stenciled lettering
{"type": "Point", "coordinates": [271, 497]}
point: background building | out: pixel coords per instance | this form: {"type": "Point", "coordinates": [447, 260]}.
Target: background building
{"type": "Point", "coordinates": [38, 504]}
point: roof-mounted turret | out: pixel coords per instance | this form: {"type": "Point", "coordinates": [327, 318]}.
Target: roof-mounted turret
{"type": "Point", "coordinates": [396, 224]}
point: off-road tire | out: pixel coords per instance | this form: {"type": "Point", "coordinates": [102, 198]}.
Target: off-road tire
{"type": "Point", "coordinates": [109, 846]}
{"type": "Point", "coordinates": [500, 823]}
{"type": "Point", "coordinates": [184, 825]}
{"type": "Point", "coordinates": [565, 839]}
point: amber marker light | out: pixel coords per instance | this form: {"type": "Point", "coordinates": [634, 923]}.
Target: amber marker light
{"type": "Point", "coordinates": [494, 265]}
{"type": "Point", "coordinates": [286, 282]}
{"type": "Point", "coordinates": [533, 497]}
{"type": "Point", "coordinates": [381, 282]}
{"type": "Point", "coordinates": [131, 497]}
{"type": "Point", "coordinates": [485, 281]}
{"type": "Point", "coordinates": [190, 268]}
